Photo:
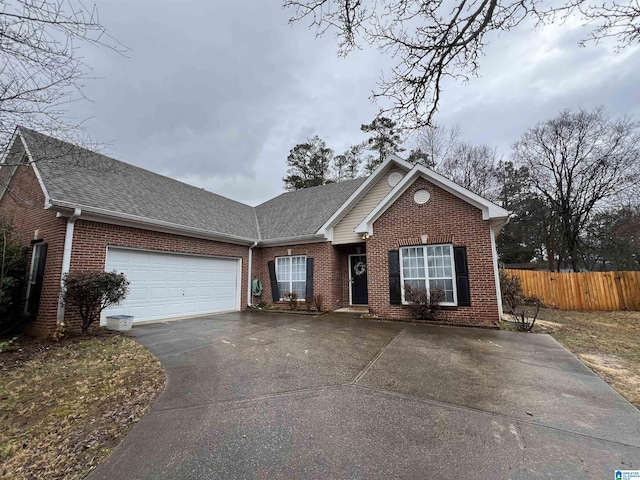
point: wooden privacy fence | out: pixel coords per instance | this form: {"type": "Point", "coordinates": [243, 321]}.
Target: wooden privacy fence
{"type": "Point", "coordinates": [583, 290]}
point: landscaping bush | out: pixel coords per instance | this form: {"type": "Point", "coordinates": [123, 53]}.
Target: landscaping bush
{"type": "Point", "coordinates": [423, 303]}
{"type": "Point", "coordinates": [525, 313]}
{"type": "Point", "coordinates": [89, 293]}
{"type": "Point", "coordinates": [317, 301]}
{"type": "Point", "coordinates": [13, 267]}
{"type": "Point", "coordinates": [511, 289]}
{"type": "Point", "coordinates": [292, 300]}
{"type": "Point", "coordinates": [523, 310]}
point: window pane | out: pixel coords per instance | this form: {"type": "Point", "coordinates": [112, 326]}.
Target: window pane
{"type": "Point", "coordinates": [298, 268]}
{"type": "Point", "coordinates": [284, 288]}
{"type": "Point", "coordinates": [283, 268]}
{"type": "Point", "coordinates": [299, 288]}
{"type": "Point", "coordinates": [415, 284]}
{"type": "Point", "coordinates": [445, 285]}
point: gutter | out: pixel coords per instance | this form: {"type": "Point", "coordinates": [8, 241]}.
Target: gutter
{"type": "Point", "coordinates": [249, 266]}
{"type": "Point", "coordinates": [66, 259]}
{"type": "Point", "coordinates": [145, 223]}
{"type": "Point", "coordinates": [314, 238]}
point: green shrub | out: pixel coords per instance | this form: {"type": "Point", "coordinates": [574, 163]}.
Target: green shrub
{"type": "Point", "coordinates": [89, 293]}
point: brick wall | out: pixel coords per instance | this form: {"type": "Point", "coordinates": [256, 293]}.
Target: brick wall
{"type": "Point", "coordinates": [444, 215]}
{"type": "Point", "coordinates": [91, 239]}
{"type": "Point", "coordinates": [23, 205]}
{"type": "Point", "coordinates": [328, 274]}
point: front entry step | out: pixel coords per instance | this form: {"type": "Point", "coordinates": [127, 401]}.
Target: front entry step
{"type": "Point", "coordinates": [353, 309]}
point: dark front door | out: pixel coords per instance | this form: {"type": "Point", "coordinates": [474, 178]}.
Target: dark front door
{"type": "Point", "coordinates": [358, 268]}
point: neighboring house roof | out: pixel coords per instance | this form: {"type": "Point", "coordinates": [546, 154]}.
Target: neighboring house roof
{"type": "Point", "coordinates": [76, 177]}
{"type": "Point", "coordinates": [303, 212]}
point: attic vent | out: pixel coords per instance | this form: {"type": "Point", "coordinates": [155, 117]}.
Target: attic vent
{"type": "Point", "coordinates": [421, 196]}
{"type": "Point", "coordinates": [394, 179]}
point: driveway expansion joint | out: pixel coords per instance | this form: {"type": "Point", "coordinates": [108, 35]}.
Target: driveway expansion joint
{"type": "Point", "coordinates": [375, 359]}
{"type": "Point", "coordinates": [267, 396]}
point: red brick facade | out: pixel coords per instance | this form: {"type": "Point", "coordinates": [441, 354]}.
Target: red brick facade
{"type": "Point", "coordinates": [23, 205]}
{"type": "Point", "coordinates": [327, 270]}
{"type": "Point", "coordinates": [444, 215]}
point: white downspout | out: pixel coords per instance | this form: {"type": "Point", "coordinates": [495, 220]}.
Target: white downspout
{"type": "Point", "coordinates": [496, 272]}
{"type": "Point", "coordinates": [66, 259]}
{"type": "Point", "coordinates": [249, 293]}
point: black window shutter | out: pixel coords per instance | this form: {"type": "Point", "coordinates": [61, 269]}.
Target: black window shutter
{"type": "Point", "coordinates": [36, 289]}
{"type": "Point", "coordinates": [275, 292]}
{"type": "Point", "coordinates": [309, 290]}
{"type": "Point", "coordinates": [395, 293]}
{"type": "Point", "coordinates": [462, 276]}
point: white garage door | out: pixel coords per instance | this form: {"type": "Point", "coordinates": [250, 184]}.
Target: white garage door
{"type": "Point", "coordinates": [164, 285]}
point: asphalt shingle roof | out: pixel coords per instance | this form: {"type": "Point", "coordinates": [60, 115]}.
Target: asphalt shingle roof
{"type": "Point", "coordinates": [75, 176]}
{"type": "Point", "coordinates": [303, 212]}
{"type": "Point", "coordinates": [78, 176]}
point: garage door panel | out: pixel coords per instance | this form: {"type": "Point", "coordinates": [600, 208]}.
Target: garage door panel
{"type": "Point", "coordinates": [164, 285]}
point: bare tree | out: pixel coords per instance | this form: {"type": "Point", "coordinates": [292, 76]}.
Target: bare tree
{"type": "Point", "coordinates": [436, 40]}
{"type": "Point", "coordinates": [437, 142]}
{"type": "Point", "coordinates": [578, 160]}
{"type": "Point", "coordinates": [41, 70]}
{"type": "Point", "coordinates": [475, 167]}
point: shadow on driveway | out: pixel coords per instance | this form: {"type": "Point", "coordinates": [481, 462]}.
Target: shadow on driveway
{"type": "Point", "coordinates": [261, 395]}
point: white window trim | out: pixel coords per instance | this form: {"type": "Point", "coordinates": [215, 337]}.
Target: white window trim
{"type": "Point", "coordinates": [290, 275]}
{"type": "Point", "coordinates": [426, 272]}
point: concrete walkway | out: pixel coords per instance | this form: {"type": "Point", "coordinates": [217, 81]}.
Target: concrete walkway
{"type": "Point", "coordinates": [259, 395]}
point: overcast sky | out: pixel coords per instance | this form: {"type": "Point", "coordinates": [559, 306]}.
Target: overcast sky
{"type": "Point", "coordinates": [216, 93]}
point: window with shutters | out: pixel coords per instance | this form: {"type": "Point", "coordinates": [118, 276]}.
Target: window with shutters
{"type": "Point", "coordinates": [291, 273]}
{"type": "Point", "coordinates": [430, 267]}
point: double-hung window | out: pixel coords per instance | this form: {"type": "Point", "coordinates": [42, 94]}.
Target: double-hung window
{"type": "Point", "coordinates": [291, 273]}
{"type": "Point", "coordinates": [429, 267]}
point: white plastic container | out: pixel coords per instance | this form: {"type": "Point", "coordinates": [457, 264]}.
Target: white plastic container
{"type": "Point", "coordinates": [119, 322]}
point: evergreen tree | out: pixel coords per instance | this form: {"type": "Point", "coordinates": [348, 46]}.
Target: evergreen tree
{"type": "Point", "coordinates": [309, 165]}
{"type": "Point", "coordinates": [384, 141]}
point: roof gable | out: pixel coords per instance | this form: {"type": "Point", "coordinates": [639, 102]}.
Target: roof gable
{"type": "Point", "coordinates": [490, 211]}
{"type": "Point", "coordinates": [362, 190]}
{"type": "Point", "coordinates": [17, 153]}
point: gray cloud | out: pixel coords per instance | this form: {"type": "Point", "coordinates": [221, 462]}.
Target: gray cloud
{"type": "Point", "coordinates": [217, 93]}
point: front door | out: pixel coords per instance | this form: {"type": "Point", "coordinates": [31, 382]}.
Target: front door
{"type": "Point", "coordinates": [358, 276]}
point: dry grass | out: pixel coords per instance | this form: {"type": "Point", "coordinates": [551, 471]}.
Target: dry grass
{"type": "Point", "coordinates": [607, 342]}
{"type": "Point", "coordinates": [66, 405]}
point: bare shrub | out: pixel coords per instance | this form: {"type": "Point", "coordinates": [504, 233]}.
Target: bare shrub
{"type": "Point", "coordinates": [423, 303]}
{"type": "Point", "coordinates": [292, 300]}
{"type": "Point", "coordinates": [511, 289]}
{"type": "Point", "coordinates": [317, 301]}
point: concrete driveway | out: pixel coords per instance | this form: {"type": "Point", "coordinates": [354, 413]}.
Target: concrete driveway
{"type": "Point", "coordinates": [259, 395]}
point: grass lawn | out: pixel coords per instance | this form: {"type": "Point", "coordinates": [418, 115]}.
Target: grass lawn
{"type": "Point", "coordinates": [607, 342]}
{"type": "Point", "coordinates": [65, 405]}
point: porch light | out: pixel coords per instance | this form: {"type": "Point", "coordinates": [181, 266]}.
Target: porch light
{"type": "Point", "coordinates": [365, 236]}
